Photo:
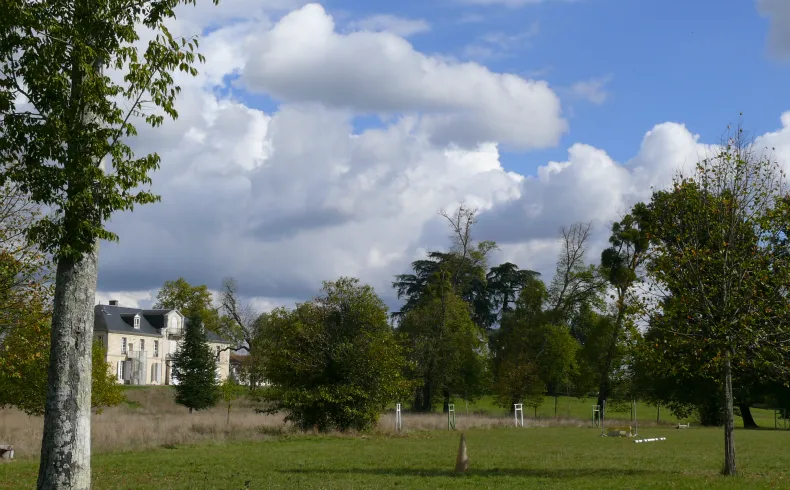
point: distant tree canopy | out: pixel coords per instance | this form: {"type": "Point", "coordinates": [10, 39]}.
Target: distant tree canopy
{"type": "Point", "coordinates": [333, 362]}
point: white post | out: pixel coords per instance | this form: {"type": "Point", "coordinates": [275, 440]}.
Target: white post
{"type": "Point", "coordinates": [636, 422]}
{"type": "Point", "coordinates": [451, 416]}
{"type": "Point", "coordinates": [398, 420]}
{"type": "Point", "coordinates": [518, 408]}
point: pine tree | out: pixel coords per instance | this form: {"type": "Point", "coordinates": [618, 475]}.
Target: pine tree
{"type": "Point", "coordinates": [195, 367]}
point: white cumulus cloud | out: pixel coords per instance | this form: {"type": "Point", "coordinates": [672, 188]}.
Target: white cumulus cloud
{"type": "Point", "coordinates": [303, 59]}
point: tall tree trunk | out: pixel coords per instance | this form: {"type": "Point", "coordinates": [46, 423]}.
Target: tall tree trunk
{"type": "Point", "coordinates": [426, 397]}
{"type": "Point", "coordinates": [746, 415]}
{"type": "Point", "coordinates": [66, 445]}
{"type": "Point", "coordinates": [729, 420]}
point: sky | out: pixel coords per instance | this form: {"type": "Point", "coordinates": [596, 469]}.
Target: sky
{"type": "Point", "coordinates": [321, 140]}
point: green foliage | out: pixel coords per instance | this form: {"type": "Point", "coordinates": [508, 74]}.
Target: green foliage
{"type": "Point", "coordinates": [25, 273]}
{"type": "Point", "coordinates": [192, 300]}
{"type": "Point", "coordinates": [333, 362]}
{"type": "Point", "coordinates": [195, 367]}
{"type": "Point", "coordinates": [607, 346]}
{"type": "Point", "coordinates": [447, 350]}
{"type": "Point", "coordinates": [230, 391]}
{"type": "Point", "coordinates": [723, 281]}
{"type": "Point", "coordinates": [24, 360]}
{"type": "Point", "coordinates": [105, 390]}
{"type": "Point", "coordinates": [532, 353]}
{"type": "Point", "coordinates": [721, 276]}
{"type": "Point", "coordinates": [73, 116]}
{"type": "Point", "coordinates": [504, 284]}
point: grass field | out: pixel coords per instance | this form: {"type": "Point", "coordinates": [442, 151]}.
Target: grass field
{"type": "Point", "coordinates": [581, 409]}
{"type": "Point", "coordinates": [500, 458]}
{"type": "Point", "coordinates": [151, 442]}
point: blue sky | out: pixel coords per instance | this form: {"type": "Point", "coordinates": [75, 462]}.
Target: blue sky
{"type": "Point", "coordinates": [264, 183]}
{"type": "Point", "coordinates": [700, 63]}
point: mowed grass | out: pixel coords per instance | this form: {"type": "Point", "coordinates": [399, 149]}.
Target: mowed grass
{"type": "Point", "coordinates": [581, 409]}
{"type": "Point", "coordinates": [500, 458]}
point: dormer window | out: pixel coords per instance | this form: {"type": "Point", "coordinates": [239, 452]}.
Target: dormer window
{"type": "Point", "coordinates": [137, 321]}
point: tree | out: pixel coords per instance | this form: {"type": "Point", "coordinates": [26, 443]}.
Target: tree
{"type": "Point", "coordinates": [195, 368]}
{"type": "Point", "coordinates": [504, 283]}
{"type": "Point", "coordinates": [575, 285]}
{"type": "Point", "coordinates": [188, 299]}
{"type": "Point", "coordinates": [532, 353]}
{"type": "Point", "coordinates": [192, 300]}
{"type": "Point", "coordinates": [61, 118]}
{"type": "Point", "coordinates": [447, 350]}
{"type": "Point", "coordinates": [464, 265]}
{"type": "Point", "coordinates": [719, 273]}
{"type": "Point", "coordinates": [333, 362]}
{"type": "Point", "coordinates": [24, 357]}
{"type": "Point", "coordinates": [25, 273]}
{"type": "Point", "coordinates": [620, 264]}
{"type": "Point", "coordinates": [230, 391]}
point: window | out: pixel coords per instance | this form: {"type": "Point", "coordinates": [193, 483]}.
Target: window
{"type": "Point", "coordinates": [142, 344]}
{"type": "Point", "coordinates": [156, 348]}
{"type": "Point", "coordinates": [131, 346]}
{"type": "Point", "coordinates": [123, 345]}
{"type": "Point", "coordinates": [136, 322]}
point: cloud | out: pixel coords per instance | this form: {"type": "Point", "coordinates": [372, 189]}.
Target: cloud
{"type": "Point", "coordinates": [592, 90]}
{"type": "Point", "coordinates": [399, 26]}
{"type": "Point", "coordinates": [778, 12]}
{"type": "Point", "coordinates": [499, 44]}
{"type": "Point", "coordinates": [590, 187]}
{"type": "Point", "coordinates": [285, 199]}
{"type": "Point", "coordinates": [379, 72]}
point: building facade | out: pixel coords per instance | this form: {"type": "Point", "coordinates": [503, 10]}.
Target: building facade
{"type": "Point", "coordinates": [141, 343]}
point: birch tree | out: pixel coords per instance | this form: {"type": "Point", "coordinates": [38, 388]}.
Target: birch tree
{"type": "Point", "coordinates": [65, 126]}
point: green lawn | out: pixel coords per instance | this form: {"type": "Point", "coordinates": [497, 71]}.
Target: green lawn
{"type": "Point", "coordinates": [500, 458]}
{"type": "Point", "coordinates": [572, 407]}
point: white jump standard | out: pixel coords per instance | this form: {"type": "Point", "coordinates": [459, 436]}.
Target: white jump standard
{"type": "Point", "coordinates": [518, 409]}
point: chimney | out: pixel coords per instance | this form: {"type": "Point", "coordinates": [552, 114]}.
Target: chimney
{"type": "Point", "coordinates": [113, 302]}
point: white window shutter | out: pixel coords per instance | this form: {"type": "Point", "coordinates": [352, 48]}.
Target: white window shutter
{"type": "Point", "coordinates": [120, 370]}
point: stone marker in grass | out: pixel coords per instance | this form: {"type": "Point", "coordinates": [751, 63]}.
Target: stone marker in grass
{"type": "Point", "coordinates": [462, 462]}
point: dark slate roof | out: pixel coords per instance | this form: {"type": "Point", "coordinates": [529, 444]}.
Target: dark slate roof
{"type": "Point", "coordinates": [120, 319]}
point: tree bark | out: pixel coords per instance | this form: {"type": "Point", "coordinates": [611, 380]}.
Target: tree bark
{"type": "Point", "coordinates": [746, 415]}
{"type": "Point", "coordinates": [66, 444]}
{"type": "Point", "coordinates": [729, 420]}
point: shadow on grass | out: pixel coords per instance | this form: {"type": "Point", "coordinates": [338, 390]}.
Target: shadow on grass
{"type": "Point", "coordinates": [559, 474]}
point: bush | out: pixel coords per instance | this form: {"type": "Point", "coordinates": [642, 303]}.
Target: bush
{"type": "Point", "coordinates": [333, 362]}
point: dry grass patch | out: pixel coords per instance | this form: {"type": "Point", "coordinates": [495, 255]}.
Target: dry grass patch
{"type": "Point", "coordinates": [152, 419]}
